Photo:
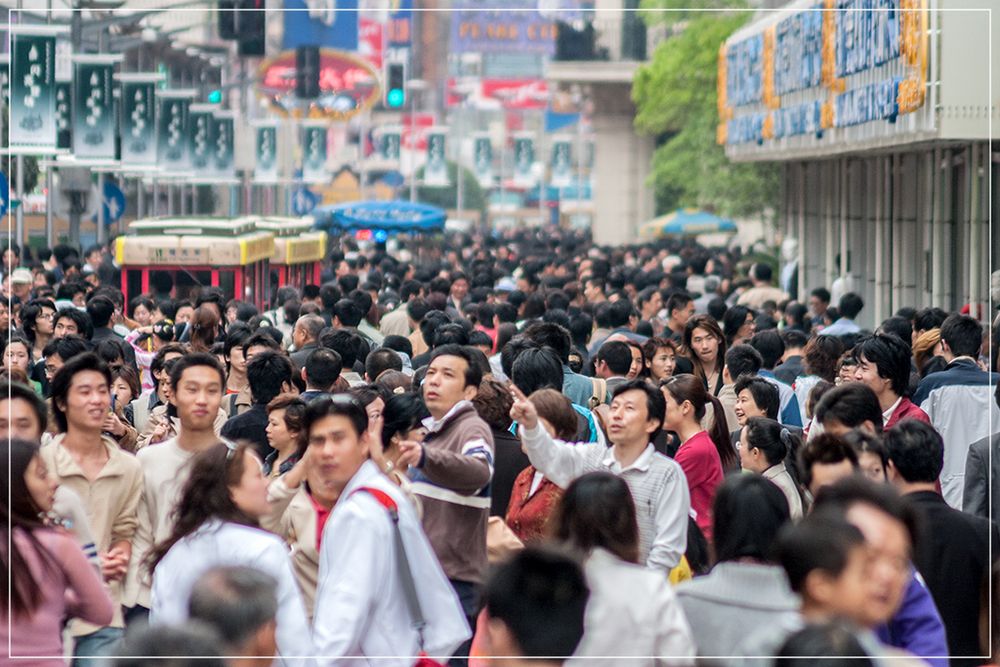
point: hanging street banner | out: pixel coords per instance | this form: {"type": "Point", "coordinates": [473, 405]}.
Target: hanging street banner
{"type": "Point", "coordinates": [31, 123]}
{"type": "Point", "coordinates": [223, 164]}
{"type": "Point", "coordinates": [483, 152]}
{"type": "Point", "coordinates": [4, 194]}
{"type": "Point", "coordinates": [138, 124]}
{"type": "Point", "coordinates": [201, 141]}
{"type": "Point", "coordinates": [172, 127]}
{"type": "Point", "coordinates": [390, 142]}
{"type": "Point", "coordinates": [266, 153]}
{"type": "Point", "coordinates": [524, 158]}
{"type": "Point", "coordinates": [314, 151]}
{"type": "Point", "coordinates": [93, 112]}
{"type": "Point", "coordinates": [5, 82]}
{"type": "Point", "coordinates": [64, 133]}
{"type": "Point", "coordinates": [436, 168]}
{"type": "Point", "coordinates": [562, 168]}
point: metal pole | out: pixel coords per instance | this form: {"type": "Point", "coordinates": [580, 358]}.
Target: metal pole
{"type": "Point", "coordinates": [362, 167]}
{"type": "Point", "coordinates": [49, 228]}
{"type": "Point", "coordinates": [156, 197]}
{"type": "Point", "coordinates": [102, 232]}
{"type": "Point", "coordinates": [413, 153]}
{"type": "Point", "coordinates": [140, 209]}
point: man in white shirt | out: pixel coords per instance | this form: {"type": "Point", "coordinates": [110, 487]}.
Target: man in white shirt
{"type": "Point", "coordinates": [362, 607]}
{"type": "Point", "coordinates": [197, 382]}
{"type": "Point", "coordinates": [658, 485]}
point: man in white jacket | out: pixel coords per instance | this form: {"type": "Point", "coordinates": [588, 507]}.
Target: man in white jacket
{"type": "Point", "coordinates": [362, 610]}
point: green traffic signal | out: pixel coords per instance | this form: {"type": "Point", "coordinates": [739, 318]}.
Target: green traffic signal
{"type": "Point", "coordinates": [215, 97]}
{"type": "Point", "coordinates": [395, 97]}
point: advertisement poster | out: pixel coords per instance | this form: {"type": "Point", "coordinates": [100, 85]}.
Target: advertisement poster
{"type": "Point", "coordinates": [524, 158]}
{"type": "Point", "coordinates": [31, 122]}
{"type": "Point", "coordinates": [314, 149]}
{"type": "Point", "coordinates": [436, 168]}
{"type": "Point", "coordinates": [483, 151]}
{"type": "Point", "coordinates": [93, 111]}
{"type": "Point", "coordinates": [266, 153]}
{"type": "Point", "coordinates": [562, 167]}
{"type": "Point", "coordinates": [138, 125]}
{"type": "Point", "coordinates": [173, 125]}
{"type": "Point", "coordinates": [223, 163]}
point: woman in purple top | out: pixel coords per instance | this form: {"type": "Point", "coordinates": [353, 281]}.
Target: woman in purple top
{"type": "Point", "coordinates": [52, 580]}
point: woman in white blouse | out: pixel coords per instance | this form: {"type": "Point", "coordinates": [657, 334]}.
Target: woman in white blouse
{"type": "Point", "coordinates": [596, 517]}
{"type": "Point", "coordinates": [217, 524]}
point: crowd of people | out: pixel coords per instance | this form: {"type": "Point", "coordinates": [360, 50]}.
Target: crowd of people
{"type": "Point", "coordinates": [493, 450]}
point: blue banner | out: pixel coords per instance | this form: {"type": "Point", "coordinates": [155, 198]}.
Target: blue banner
{"type": "Point", "coordinates": [399, 32]}
{"type": "Point", "coordinates": [4, 194]}
{"type": "Point", "coordinates": [331, 24]}
{"type": "Point", "coordinates": [514, 28]}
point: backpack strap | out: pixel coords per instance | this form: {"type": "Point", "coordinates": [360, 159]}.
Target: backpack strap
{"type": "Point", "coordinates": [232, 404]}
{"type": "Point", "coordinates": [600, 392]}
{"type": "Point", "coordinates": [402, 563]}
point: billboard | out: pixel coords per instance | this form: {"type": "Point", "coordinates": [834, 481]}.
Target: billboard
{"type": "Point", "coordinates": [325, 23]}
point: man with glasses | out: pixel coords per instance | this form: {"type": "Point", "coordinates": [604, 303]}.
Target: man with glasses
{"type": "Point", "coordinates": [197, 381]}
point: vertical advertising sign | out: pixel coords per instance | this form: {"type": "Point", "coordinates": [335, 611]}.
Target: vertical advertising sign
{"type": "Point", "coordinates": [436, 168]}
{"type": "Point", "coordinates": [32, 111]}
{"type": "Point", "coordinates": [266, 153]}
{"type": "Point", "coordinates": [93, 112]}
{"type": "Point", "coordinates": [483, 152]}
{"type": "Point", "coordinates": [223, 164]}
{"type": "Point", "coordinates": [138, 128]}
{"type": "Point", "coordinates": [389, 143]}
{"type": "Point", "coordinates": [314, 151]}
{"type": "Point", "coordinates": [524, 158]}
{"type": "Point", "coordinates": [172, 127]}
{"type": "Point", "coordinates": [202, 124]}
{"type": "Point", "coordinates": [5, 81]}
{"type": "Point", "coordinates": [562, 168]}
{"type": "Point", "coordinates": [64, 116]}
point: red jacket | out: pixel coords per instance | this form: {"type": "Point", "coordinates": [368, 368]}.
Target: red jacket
{"type": "Point", "coordinates": [906, 409]}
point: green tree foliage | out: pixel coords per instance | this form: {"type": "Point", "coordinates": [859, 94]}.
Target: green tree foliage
{"type": "Point", "coordinates": [675, 96]}
{"type": "Point", "coordinates": [473, 197]}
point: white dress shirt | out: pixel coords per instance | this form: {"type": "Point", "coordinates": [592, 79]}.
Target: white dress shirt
{"type": "Point", "coordinates": [658, 485]}
{"type": "Point", "coordinates": [360, 606]}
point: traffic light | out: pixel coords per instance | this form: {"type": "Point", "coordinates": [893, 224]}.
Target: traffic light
{"type": "Point", "coordinates": [250, 27]}
{"type": "Point", "coordinates": [307, 72]}
{"type": "Point", "coordinates": [394, 94]}
{"type": "Point", "coordinates": [215, 97]}
{"type": "Point", "coordinates": [227, 19]}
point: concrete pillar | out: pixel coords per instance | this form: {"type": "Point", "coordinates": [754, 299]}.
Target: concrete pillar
{"type": "Point", "coordinates": [622, 199]}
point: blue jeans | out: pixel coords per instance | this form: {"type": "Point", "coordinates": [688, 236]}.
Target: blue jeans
{"type": "Point", "coordinates": [468, 595]}
{"type": "Point", "coordinates": [91, 650]}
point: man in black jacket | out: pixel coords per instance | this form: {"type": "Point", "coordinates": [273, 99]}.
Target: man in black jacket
{"type": "Point", "coordinates": [269, 374]}
{"type": "Point", "coordinates": [952, 551]}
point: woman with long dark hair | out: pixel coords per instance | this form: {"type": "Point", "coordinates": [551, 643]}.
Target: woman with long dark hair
{"type": "Point", "coordinates": [596, 517]}
{"type": "Point", "coordinates": [217, 523]}
{"type": "Point", "coordinates": [702, 455]}
{"type": "Point", "coordinates": [739, 325]}
{"type": "Point", "coordinates": [48, 575]}
{"type": "Point", "coordinates": [704, 340]}
{"type": "Point", "coordinates": [38, 324]}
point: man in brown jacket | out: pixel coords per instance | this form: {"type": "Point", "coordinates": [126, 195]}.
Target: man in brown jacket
{"type": "Point", "coordinates": [451, 472]}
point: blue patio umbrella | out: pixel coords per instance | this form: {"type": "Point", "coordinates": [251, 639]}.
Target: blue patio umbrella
{"type": "Point", "coordinates": [687, 222]}
{"type": "Point", "coordinates": [390, 216]}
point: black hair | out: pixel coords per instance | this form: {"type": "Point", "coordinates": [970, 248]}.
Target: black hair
{"type": "Point", "coordinates": [929, 318]}
{"type": "Point", "coordinates": [764, 393]}
{"type": "Point", "coordinates": [431, 322]}
{"type": "Point", "coordinates": [510, 351]}
{"type": "Point", "coordinates": [553, 336]}
{"type": "Point", "coordinates": [851, 404]}
{"type": "Point", "coordinates": [236, 335]}
{"type": "Point", "coordinates": [748, 513]}
{"type": "Point", "coordinates": [656, 405]}
{"type": "Point", "coordinates": [831, 644]}
{"type": "Point", "coordinates": [822, 294]}
{"type": "Point", "coordinates": [346, 343]}
{"type": "Point", "coordinates": [16, 390]}
{"type": "Point", "coordinates": [771, 438]}
{"type": "Point", "coordinates": [399, 344]}
{"type": "Point", "coordinates": [824, 449]}
{"type": "Point", "coordinates": [66, 347]}
{"type": "Point", "coordinates": [402, 413]}
{"type": "Point", "coordinates": [770, 346]}
{"type": "Point", "coordinates": [261, 339]}
{"type": "Point", "coordinates": [167, 308]}
{"type": "Point", "coordinates": [451, 334]}
{"type": "Point", "coordinates": [323, 367]}
{"type": "Point", "coordinates": [963, 334]}
{"type": "Point", "coordinates": [597, 511]}
{"type": "Point", "coordinates": [61, 381]}
{"type": "Point", "coordinates": [473, 373]}
{"type": "Point", "coordinates": [100, 310]}
{"type": "Point", "coordinates": [537, 368]}
{"type": "Point", "coordinates": [143, 301]}
{"type": "Point", "coordinates": [187, 645]}
{"type": "Point", "coordinates": [266, 373]}
{"type": "Point", "coordinates": [29, 313]}
{"type": "Point", "coordinates": [733, 321]}
{"type": "Point", "coordinates": [110, 350]}
{"type": "Point", "coordinates": [84, 325]}
{"type": "Point", "coordinates": [916, 450]}
{"type": "Point", "coordinates": [381, 360]}
{"type": "Point", "coordinates": [479, 339]}
{"type": "Point", "coordinates": [743, 360]}
{"type": "Point", "coordinates": [761, 271]}
{"type": "Point", "coordinates": [541, 597]}
{"type": "Point", "coordinates": [190, 360]}
{"type": "Point", "coordinates": [793, 338]}
{"type": "Point", "coordinates": [343, 405]}
{"type": "Point", "coordinates": [617, 355]}
{"type": "Point", "coordinates": [850, 305]}
{"type": "Point", "coordinates": [854, 490]}
{"type": "Point", "coordinates": [820, 541]}
{"type": "Point", "coordinates": [329, 295]}
{"type": "Point", "coordinates": [348, 312]}
{"type": "Point", "coordinates": [898, 326]}
{"type": "Point", "coordinates": [891, 357]}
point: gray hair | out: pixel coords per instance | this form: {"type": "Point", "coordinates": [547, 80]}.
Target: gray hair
{"type": "Point", "coordinates": [187, 645]}
{"type": "Point", "coordinates": [235, 601]}
{"type": "Point", "coordinates": [312, 325]}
